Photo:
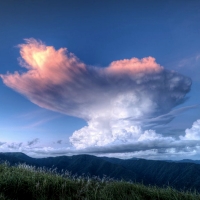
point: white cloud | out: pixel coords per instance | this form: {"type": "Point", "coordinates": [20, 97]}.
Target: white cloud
{"type": "Point", "coordinates": [147, 144]}
{"type": "Point", "coordinates": [192, 133]}
{"type": "Point", "coordinates": [100, 132]}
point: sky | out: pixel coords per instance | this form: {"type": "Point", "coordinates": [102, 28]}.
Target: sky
{"type": "Point", "coordinates": [106, 78]}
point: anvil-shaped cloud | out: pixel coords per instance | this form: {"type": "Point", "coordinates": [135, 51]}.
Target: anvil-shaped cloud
{"type": "Point", "coordinates": [115, 100]}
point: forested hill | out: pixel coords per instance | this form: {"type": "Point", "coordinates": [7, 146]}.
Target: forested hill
{"type": "Point", "coordinates": [180, 175]}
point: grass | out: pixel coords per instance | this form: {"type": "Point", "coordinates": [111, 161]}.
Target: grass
{"type": "Point", "coordinates": [23, 182]}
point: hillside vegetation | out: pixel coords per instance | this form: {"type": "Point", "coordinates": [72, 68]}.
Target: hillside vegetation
{"type": "Point", "coordinates": [24, 182]}
{"type": "Point", "coordinates": [181, 176]}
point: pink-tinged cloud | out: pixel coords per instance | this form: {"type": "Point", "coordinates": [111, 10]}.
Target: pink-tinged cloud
{"type": "Point", "coordinates": [134, 66]}
{"type": "Point", "coordinates": [115, 100]}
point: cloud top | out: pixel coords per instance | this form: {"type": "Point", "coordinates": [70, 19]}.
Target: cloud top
{"type": "Point", "coordinates": [192, 133]}
{"type": "Point", "coordinates": [115, 100]}
{"type": "Point", "coordinates": [134, 66]}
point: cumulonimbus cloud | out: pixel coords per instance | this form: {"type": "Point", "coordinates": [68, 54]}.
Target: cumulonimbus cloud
{"type": "Point", "coordinates": [115, 100]}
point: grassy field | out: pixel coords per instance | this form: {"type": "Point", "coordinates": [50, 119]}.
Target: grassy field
{"type": "Point", "coordinates": [25, 182]}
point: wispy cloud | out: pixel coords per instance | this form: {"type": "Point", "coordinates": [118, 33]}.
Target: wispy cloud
{"type": "Point", "coordinates": [14, 145]}
{"type": "Point", "coordinates": [59, 142]}
{"type": "Point", "coordinates": [1, 143]}
{"type": "Point", "coordinates": [166, 118]}
{"type": "Point", "coordinates": [117, 101]}
{"type": "Point", "coordinates": [33, 142]}
{"type": "Point", "coordinates": [37, 118]}
{"type": "Point", "coordinates": [40, 122]}
{"type": "Point", "coordinates": [191, 61]}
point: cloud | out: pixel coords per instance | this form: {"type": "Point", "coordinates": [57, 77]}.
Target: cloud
{"type": "Point", "coordinates": [33, 142]}
{"type": "Point", "coordinates": [1, 143]}
{"type": "Point", "coordinates": [59, 142]}
{"type": "Point", "coordinates": [192, 61]}
{"type": "Point", "coordinates": [116, 101]}
{"type": "Point", "coordinates": [155, 148]}
{"type": "Point", "coordinates": [192, 133]}
{"type": "Point", "coordinates": [13, 145]}
{"type": "Point", "coordinates": [147, 144]}
{"type": "Point", "coordinates": [168, 117]}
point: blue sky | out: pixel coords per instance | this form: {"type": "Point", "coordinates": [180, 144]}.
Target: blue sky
{"type": "Point", "coordinates": [95, 101]}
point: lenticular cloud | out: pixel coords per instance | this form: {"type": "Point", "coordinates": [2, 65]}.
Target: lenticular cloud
{"type": "Point", "coordinates": [115, 100]}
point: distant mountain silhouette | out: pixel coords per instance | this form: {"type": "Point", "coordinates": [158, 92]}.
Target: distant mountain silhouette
{"type": "Point", "coordinates": [178, 174]}
{"type": "Point", "coordinates": [189, 161]}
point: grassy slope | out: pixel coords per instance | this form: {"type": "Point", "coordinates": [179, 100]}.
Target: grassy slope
{"type": "Point", "coordinates": [24, 182]}
{"type": "Point", "coordinates": [161, 173]}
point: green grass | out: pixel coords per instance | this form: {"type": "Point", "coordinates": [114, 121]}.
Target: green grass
{"type": "Point", "coordinates": [25, 182]}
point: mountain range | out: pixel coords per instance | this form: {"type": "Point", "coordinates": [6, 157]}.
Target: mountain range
{"type": "Point", "coordinates": [182, 175]}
